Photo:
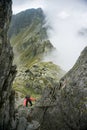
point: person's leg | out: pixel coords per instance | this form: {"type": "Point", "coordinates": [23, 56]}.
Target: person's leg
{"type": "Point", "coordinates": [30, 102]}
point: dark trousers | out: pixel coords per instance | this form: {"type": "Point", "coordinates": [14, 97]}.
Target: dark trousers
{"type": "Point", "coordinates": [28, 101]}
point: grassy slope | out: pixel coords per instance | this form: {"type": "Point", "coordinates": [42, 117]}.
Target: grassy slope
{"type": "Point", "coordinates": [29, 45]}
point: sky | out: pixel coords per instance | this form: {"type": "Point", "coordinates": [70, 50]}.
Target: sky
{"type": "Point", "coordinates": [68, 27]}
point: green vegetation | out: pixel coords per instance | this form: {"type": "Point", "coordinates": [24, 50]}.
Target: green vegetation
{"type": "Point", "coordinates": [30, 44]}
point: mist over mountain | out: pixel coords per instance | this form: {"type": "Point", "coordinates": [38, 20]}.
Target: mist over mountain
{"type": "Point", "coordinates": [30, 43]}
{"type": "Point", "coordinates": [24, 19]}
{"type": "Point", "coordinates": [28, 35]}
{"type": "Point", "coordinates": [66, 19]}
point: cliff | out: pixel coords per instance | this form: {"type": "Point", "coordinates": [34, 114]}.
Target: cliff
{"type": "Point", "coordinates": [9, 118]}
{"type": "Point", "coordinates": [64, 107]}
{"type": "Point", "coordinates": [7, 70]}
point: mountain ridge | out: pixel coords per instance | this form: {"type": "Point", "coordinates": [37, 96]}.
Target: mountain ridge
{"type": "Point", "coordinates": [25, 18]}
{"type": "Point", "coordinates": [30, 45]}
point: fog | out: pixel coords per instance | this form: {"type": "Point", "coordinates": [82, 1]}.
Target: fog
{"type": "Point", "coordinates": [67, 32]}
{"type": "Point", "coordinates": [68, 28]}
{"type": "Point", "coordinates": [20, 5]}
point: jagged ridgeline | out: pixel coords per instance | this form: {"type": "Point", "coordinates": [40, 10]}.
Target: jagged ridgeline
{"type": "Point", "coordinates": [28, 36]}
{"type": "Point", "coordinates": [29, 39]}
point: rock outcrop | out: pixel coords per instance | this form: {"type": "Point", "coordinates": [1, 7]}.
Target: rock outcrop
{"type": "Point", "coordinates": [7, 70]}
{"type": "Point", "coordinates": [64, 107]}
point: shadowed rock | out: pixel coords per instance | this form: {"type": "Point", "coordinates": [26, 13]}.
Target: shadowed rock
{"type": "Point", "coordinates": [7, 71]}
{"type": "Point", "coordinates": [9, 119]}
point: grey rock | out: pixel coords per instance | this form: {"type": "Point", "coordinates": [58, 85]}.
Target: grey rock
{"type": "Point", "coordinates": [7, 70]}
{"type": "Point", "coordinates": [64, 107]}
{"type": "Point", "coordinates": [22, 124]}
{"type": "Point", "coordinates": [34, 125]}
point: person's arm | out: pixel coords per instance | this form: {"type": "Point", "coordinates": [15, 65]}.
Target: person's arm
{"type": "Point", "coordinates": [24, 102]}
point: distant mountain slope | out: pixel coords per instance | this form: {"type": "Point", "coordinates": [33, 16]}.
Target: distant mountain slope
{"type": "Point", "coordinates": [28, 36]}
{"type": "Point", "coordinates": [24, 19]}
{"type": "Point", "coordinates": [30, 44]}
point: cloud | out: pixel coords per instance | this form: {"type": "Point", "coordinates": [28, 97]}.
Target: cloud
{"type": "Point", "coordinates": [66, 18]}
{"type": "Point", "coordinates": [20, 5]}
{"type": "Point", "coordinates": [63, 15]}
{"type": "Point", "coordinates": [21, 2]}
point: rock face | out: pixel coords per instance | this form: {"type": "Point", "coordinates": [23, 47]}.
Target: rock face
{"type": "Point", "coordinates": [64, 107]}
{"type": "Point", "coordinates": [7, 71]}
{"type": "Point", "coordinates": [9, 119]}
